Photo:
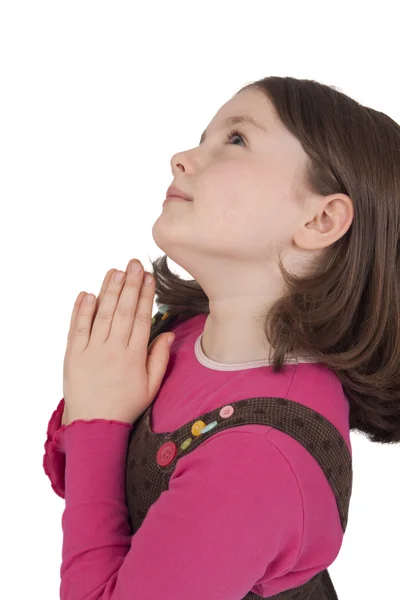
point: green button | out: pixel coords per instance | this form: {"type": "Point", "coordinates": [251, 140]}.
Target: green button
{"type": "Point", "coordinates": [186, 443]}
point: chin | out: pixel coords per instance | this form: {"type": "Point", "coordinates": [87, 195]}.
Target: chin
{"type": "Point", "coordinates": [163, 235]}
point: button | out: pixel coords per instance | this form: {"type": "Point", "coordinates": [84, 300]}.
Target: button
{"type": "Point", "coordinates": [197, 427]}
{"type": "Point", "coordinates": [186, 444]}
{"type": "Point", "coordinates": [226, 411]}
{"type": "Point", "coordinates": [162, 308]}
{"type": "Point", "coordinates": [209, 426]}
{"type": "Point", "coordinates": [153, 320]}
{"type": "Point", "coordinates": [166, 454]}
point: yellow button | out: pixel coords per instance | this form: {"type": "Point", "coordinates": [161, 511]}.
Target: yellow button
{"type": "Point", "coordinates": [197, 427]}
{"type": "Point", "coordinates": [165, 316]}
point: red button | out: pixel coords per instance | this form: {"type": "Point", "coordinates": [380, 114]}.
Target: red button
{"type": "Point", "coordinates": [166, 454]}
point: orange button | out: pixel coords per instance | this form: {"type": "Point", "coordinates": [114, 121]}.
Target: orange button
{"type": "Point", "coordinates": [197, 427]}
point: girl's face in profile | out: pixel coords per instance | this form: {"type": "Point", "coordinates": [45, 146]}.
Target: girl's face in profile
{"type": "Point", "coordinates": [244, 183]}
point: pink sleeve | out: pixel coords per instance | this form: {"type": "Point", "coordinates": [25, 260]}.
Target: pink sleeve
{"type": "Point", "coordinates": [233, 512]}
{"type": "Point", "coordinates": [53, 460]}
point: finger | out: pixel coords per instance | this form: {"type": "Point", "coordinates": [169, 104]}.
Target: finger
{"type": "Point", "coordinates": [150, 346]}
{"type": "Point", "coordinates": [139, 337]}
{"type": "Point", "coordinates": [80, 333]}
{"type": "Point", "coordinates": [101, 295]}
{"type": "Point", "coordinates": [74, 316]}
{"type": "Point", "coordinates": [126, 308]}
{"type": "Point", "coordinates": [102, 323]}
{"type": "Point", "coordinates": [98, 300]}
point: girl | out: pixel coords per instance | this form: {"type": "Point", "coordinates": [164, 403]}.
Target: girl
{"type": "Point", "coordinates": [236, 481]}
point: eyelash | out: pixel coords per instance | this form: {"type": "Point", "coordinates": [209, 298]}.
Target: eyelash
{"type": "Point", "coordinates": [234, 133]}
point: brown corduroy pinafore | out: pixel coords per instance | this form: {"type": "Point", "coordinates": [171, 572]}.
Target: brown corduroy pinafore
{"type": "Point", "coordinates": [152, 457]}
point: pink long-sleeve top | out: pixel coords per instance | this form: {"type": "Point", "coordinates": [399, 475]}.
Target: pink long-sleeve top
{"type": "Point", "coordinates": [249, 509]}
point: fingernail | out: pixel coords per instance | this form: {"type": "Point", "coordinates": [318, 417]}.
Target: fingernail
{"type": "Point", "coordinates": [118, 276]}
{"type": "Point", "coordinates": [135, 267]}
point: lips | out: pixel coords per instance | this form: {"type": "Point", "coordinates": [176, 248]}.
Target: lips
{"type": "Point", "coordinates": [174, 191]}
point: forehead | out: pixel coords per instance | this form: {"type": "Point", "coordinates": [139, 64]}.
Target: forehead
{"type": "Point", "coordinates": [240, 109]}
{"type": "Point", "coordinates": [253, 103]}
{"type": "Point", "coordinates": [286, 147]}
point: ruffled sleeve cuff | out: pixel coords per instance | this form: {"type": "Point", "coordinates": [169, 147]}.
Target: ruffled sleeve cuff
{"type": "Point", "coordinates": [54, 455]}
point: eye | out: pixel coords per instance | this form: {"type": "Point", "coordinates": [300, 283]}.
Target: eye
{"type": "Point", "coordinates": [233, 134]}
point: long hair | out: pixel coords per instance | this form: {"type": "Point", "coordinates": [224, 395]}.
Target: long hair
{"type": "Point", "coordinates": [345, 312]}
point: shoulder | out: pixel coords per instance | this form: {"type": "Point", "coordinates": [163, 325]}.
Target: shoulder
{"type": "Point", "coordinates": [246, 469]}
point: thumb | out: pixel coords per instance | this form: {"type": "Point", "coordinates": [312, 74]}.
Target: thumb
{"type": "Point", "coordinates": [157, 362]}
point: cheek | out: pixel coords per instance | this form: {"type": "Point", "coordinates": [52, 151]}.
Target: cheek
{"type": "Point", "coordinates": [240, 207]}
{"type": "Point", "coordinates": [230, 226]}
{"type": "Point", "coordinates": [226, 186]}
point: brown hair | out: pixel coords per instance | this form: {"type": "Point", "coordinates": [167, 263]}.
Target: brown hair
{"type": "Point", "coordinates": [346, 313]}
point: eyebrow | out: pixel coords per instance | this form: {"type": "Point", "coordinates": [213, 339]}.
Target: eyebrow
{"type": "Point", "coordinates": [235, 120]}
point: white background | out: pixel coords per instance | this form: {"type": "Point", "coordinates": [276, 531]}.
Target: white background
{"type": "Point", "coordinates": [95, 99]}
